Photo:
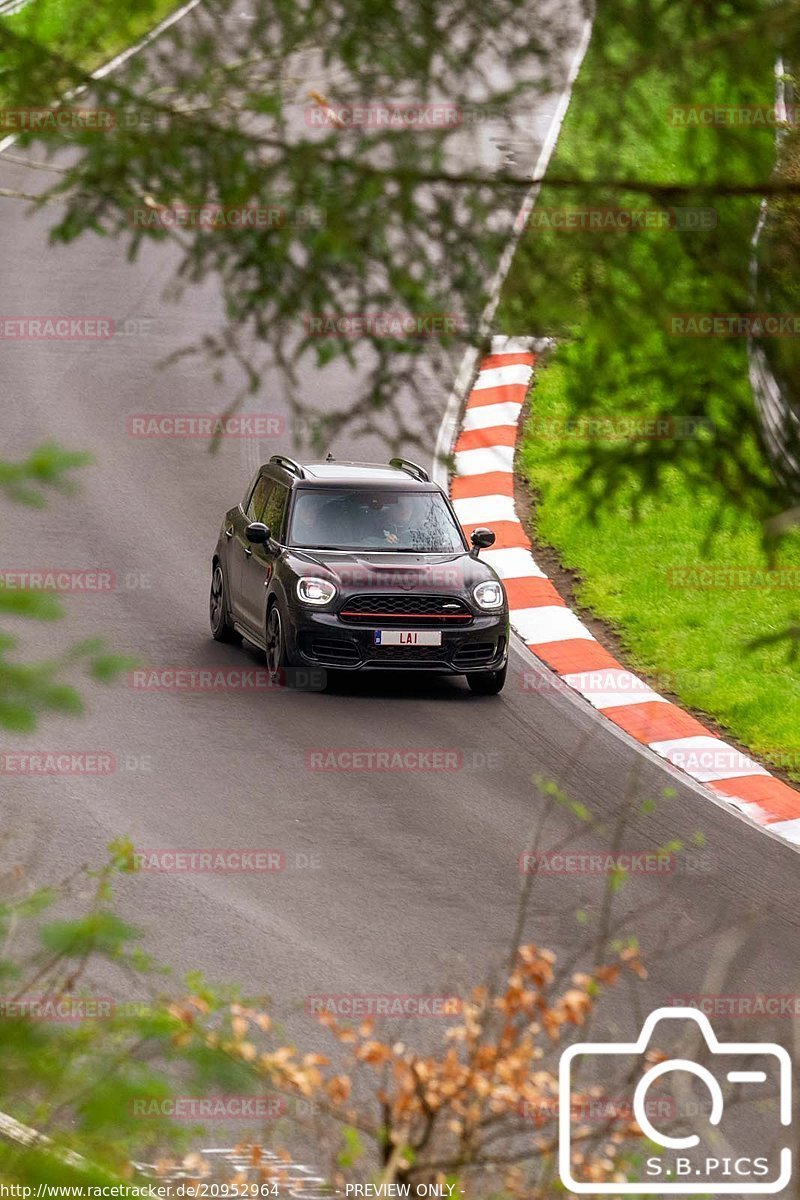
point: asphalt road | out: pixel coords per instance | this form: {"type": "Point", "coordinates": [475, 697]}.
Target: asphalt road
{"type": "Point", "coordinates": [402, 882]}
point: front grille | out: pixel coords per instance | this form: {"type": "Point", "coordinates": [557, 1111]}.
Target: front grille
{"type": "Point", "coordinates": [474, 653]}
{"type": "Point", "coordinates": [410, 654]}
{"type": "Point", "coordinates": [406, 612]}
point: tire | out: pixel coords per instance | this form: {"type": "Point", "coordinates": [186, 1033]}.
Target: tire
{"type": "Point", "coordinates": [221, 631]}
{"type": "Point", "coordinates": [487, 683]}
{"type": "Point", "coordinates": [275, 640]}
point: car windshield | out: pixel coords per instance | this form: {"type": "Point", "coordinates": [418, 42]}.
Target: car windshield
{"type": "Point", "coordinates": [360, 519]}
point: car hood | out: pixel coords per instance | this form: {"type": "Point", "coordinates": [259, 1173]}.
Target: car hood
{"type": "Point", "coordinates": [404, 572]}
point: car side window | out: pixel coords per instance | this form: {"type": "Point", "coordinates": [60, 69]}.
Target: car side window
{"type": "Point", "coordinates": [274, 508]}
{"type": "Point", "coordinates": [258, 498]}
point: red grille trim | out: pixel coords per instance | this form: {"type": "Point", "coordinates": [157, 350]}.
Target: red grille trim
{"type": "Point", "coordinates": [348, 612]}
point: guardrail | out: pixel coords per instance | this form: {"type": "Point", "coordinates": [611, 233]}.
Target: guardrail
{"type": "Point", "coordinates": [780, 424]}
{"type": "Point", "coordinates": [780, 421]}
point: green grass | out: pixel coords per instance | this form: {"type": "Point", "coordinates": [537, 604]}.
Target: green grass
{"type": "Point", "coordinates": [87, 33]}
{"type": "Point", "coordinates": [621, 513]}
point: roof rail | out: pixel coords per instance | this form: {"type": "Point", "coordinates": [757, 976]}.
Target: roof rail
{"type": "Point", "coordinates": [403, 464]}
{"type": "Point", "coordinates": [288, 464]}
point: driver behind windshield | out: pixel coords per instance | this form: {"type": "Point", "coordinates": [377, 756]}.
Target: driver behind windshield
{"type": "Point", "coordinates": [397, 518]}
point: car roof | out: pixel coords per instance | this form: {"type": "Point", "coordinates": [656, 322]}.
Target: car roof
{"type": "Point", "coordinates": [375, 474]}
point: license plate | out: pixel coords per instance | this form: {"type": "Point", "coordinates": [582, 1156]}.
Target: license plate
{"type": "Point", "coordinates": [407, 637]}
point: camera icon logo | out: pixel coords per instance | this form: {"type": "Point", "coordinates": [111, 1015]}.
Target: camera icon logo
{"type": "Point", "coordinates": [688, 1164]}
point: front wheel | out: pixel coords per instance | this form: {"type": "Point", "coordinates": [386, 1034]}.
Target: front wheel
{"type": "Point", "coordinates": [487, 683]}
{"type": "Point", "coordinates": [276, 646]}
{"type": "Point", "coordinates": [221, 631]}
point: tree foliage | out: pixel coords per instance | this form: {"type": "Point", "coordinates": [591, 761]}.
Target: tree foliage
{"type": "Point", "coordinates": [30, 689]}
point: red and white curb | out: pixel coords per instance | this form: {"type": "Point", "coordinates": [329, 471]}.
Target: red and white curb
{"type": "Point", "coordinates": [482, 490]}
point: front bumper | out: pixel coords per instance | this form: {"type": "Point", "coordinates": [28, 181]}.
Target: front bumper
{"type": "Point", "coordinates": [323, 640]}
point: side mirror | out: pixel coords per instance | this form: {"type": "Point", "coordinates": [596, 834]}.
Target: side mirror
{"type": "Point", "coordinates": [481, 540]}
{"type": "Point", "coordinates": [259, 534]}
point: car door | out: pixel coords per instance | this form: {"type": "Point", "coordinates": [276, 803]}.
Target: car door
{"type": "Point", "coordinates": [240, 551]}
{"type": "Point", "coordinates": [269, 506]}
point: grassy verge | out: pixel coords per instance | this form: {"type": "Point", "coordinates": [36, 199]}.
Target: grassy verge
{"type": "Point", "coordinates": [87, 33]}
{"type": "Point", "coordinates": [635, 513]}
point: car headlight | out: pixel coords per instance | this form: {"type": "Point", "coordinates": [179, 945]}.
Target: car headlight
{"type": "Point", "coordinates": [488, 595]}
{"type": "Point", "coordinates": [315, 591]}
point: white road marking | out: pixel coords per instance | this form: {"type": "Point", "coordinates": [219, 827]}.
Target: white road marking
{"type": "Point", "coordinates": [707, 758]}
{"type": "Point", "coordinates": [123, 57]}
{"type": "Point", "coordinates": [483, 509]}
{"type": "Point", "coordinates": [548, 623]}
{"type": "Point", "coordinates": [518, 373]}
{"type": "Point", "coordinates": [788, 830]}
{"type": "Point", "coordinates": [487, 458]}
{"type": "Point", "coordinates": [513, 563]}
{"type": "Point", "coordinates": [611, 688]}
{"type": "Point", "coordinates": [486, 416]}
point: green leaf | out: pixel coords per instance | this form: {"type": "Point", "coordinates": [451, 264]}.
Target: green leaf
{"type": "Point", "coordinates": [106, 667]}
{"type": "Point", "coordinates": [37, 902]}
{"type": "Point", "coordinates": [16, 717]}
{"type": "Point", "coordinates": [62, 698]}
{"type": "Point", "coordinates": [618, 877]}
{"type": "Point", "coordinates": [101, 932]}
{"type": "Point", "coordinates": [352, 1149]}
{"type": "Point", "coordinates": [580, 810]}
{"type": "Point", "coordinates": [28, 602]}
